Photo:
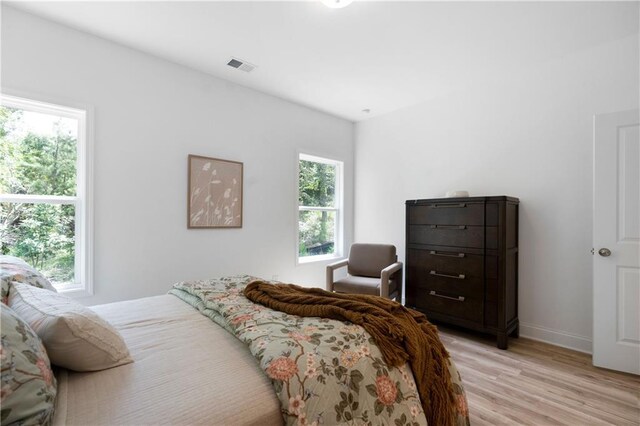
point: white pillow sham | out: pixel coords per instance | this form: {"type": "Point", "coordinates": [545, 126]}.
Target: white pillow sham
{"type": "Point", "coordinates": [75, 337]}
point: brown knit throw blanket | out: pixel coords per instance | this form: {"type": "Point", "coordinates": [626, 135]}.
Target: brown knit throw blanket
{"type": "Point", "coordinates": [402, 334]}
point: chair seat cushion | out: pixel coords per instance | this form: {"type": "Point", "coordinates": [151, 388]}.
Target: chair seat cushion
{"type": "Point", "coordinates": [361, 285]}
{"type": "Point", "coordinates": [358, 285]}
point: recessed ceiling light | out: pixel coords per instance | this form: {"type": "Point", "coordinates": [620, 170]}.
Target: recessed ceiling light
{"type": "Point", "coordinates": [337, 4]}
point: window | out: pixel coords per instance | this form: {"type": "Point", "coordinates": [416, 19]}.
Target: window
{"type": "Point", "coordinates": [319, 208]}
{"type": "Point", "coordinates": [44, 208]}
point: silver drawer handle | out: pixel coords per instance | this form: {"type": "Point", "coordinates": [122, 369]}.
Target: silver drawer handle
{"type": "Point", "coordinates": [448, 206]}
{"type": "Point", "coordinates": [457, 299]}
{"type": "Point", "coordinates": [448, 226]}
{"type": "Point", "coordinates": [435, 253]}
{"type": "Point", "coordinates": [457, 277]}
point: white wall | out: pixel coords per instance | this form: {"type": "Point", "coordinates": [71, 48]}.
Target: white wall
{"type": "Point", "coordinates": [527, 135]}
{"type": "Point", "coordinates": [149, 115]}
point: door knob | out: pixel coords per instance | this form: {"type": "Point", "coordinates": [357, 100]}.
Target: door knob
{"type": "Point", "coordinates": [604, 252]}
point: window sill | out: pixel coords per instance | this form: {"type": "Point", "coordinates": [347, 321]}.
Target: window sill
{"type": "Point", "coordinates": [74, 291]}
{"type": "Point", "coordinates": [320, 258]}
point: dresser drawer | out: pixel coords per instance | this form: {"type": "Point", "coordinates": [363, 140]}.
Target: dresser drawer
{"type": "Point", "coordinates": [451, 304]}
{"type": "Point", "coordinates": [460, 285]}
{"type": "Point", "coordinates": [447, 235]}
{"type": "Point", "coordinates": [448, 262]}
{"type": "Point", "coordinates": [447, 213]}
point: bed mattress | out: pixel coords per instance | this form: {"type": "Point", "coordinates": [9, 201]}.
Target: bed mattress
{"type": "Point", "coordinates": [186, 370]}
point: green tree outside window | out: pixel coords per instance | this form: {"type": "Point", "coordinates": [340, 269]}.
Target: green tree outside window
{"type": "Point", "coordinates": [317, 201]}
{"type": "Point", "coordinates": [34, 162]}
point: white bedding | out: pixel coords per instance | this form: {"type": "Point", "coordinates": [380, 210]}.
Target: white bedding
{"type": "Point", "coordinates": [186, 370]}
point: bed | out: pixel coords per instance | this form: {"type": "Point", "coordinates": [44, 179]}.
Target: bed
{"type": "Point", "coordinates": [186, 369]}
{"type": "Point", "coordinates": [205, 354]}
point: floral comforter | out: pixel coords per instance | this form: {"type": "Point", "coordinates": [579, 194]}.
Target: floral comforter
{"type": "Point", "coordinates": [323, 371]}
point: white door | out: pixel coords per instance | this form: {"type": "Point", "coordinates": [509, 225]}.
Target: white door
{"type": "Point", "coordinates": [616, 239]}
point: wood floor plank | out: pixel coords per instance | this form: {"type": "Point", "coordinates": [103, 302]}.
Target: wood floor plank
{"type": "Point", "coordinates": [534, 383]}
{"type": "Point", "coordinates": [486, 413]}
{"type": "Point", "coordinates": [599, 411]}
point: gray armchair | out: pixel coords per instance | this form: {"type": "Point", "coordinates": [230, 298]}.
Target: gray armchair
{"type": "Point", "coordinates": [372, 269]}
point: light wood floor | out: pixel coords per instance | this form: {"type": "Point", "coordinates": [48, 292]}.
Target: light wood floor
{"type": "Point", "coordinates": [539, 384]}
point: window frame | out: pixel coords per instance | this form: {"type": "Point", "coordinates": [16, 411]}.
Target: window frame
{"type": "Point", "coordinates": [338, 208]}
{"type": "Point", "coordinates": [82, 201]}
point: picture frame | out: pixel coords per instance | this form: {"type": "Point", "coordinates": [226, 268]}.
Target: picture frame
{"type": "Point", "coordinates": [214, 193]}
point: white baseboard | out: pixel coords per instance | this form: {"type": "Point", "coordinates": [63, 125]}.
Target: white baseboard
{"type": "Point", "coordinates": [556, 337]}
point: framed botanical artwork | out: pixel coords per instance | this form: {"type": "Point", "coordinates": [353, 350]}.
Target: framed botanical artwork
{"type": "Point", "coordinates": [215, 193]}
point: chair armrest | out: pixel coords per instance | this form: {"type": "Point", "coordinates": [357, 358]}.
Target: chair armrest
{"type": "Point", "coordinates": [389, 270]}
{"type": "Point", "coordinates": [338, 264]}
{"type": "Point", "coordinates": [332, 267]}
{"type": "Point", "coordinates": [385, 274]}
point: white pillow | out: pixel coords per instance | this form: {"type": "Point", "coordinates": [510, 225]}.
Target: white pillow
{"type": "Point", "coordinates": [74, 336]}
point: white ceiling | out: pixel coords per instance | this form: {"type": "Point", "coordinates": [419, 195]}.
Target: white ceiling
{"type": "Point", "coordinates": [377, 55]}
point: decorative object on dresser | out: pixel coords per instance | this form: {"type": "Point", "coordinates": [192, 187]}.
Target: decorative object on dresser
{"type": "Point", "coordinates": [456, 194]}
{"type": "Point", "coordinates": [462, 262]}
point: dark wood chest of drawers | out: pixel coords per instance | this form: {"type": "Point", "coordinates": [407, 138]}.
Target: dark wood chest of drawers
{"type": "Point", "coordinates": [462, 262]}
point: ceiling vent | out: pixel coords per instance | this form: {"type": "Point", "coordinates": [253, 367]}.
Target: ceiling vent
{"type": "Point", "coordinates": [241, 65]}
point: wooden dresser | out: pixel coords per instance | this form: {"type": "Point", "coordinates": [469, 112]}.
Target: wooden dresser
{"type": "Point", "coordinates": [462, 262]}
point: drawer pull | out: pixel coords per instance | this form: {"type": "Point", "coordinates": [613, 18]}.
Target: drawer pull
{"type": "Point", "coordinates": [435, 253]}
{"type": "Point", "coordinates": [457, 299]}
{"type": "Point", "coordinates": [449, 227]}
{"type": "Point", "coordinates": [449, 206]}
{"type": "Point", "coordinates": [457, 277]}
